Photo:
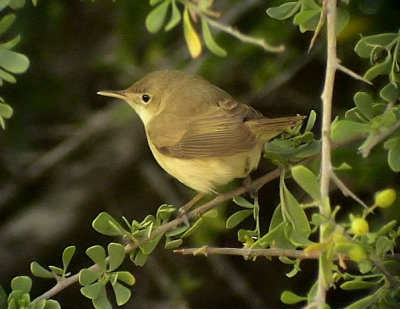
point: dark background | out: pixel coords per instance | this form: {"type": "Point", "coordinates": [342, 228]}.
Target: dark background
{"type": "Point", "coordinates": [68, 154]}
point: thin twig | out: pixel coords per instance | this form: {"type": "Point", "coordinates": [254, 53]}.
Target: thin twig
{"type": "Point", "coordinates": [392, 280]}
{"type": "Point", "coordinates": [345, 190]}
{"type": "Point", "coordinates": [353, 74]}
{"type": "Point", "coordinates": [245, 38]}
{"type": "Point", "coordinates": [378, 138]}
{"type": "Point", "coordinates": [271, 252]}
{"type": "Point", "coordinates": [321, 23]}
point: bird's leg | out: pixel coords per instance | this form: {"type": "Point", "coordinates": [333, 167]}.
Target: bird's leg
{"type": "Point", "coordinates": [253, 192]}
{"type": "Point", "coordinates": [185, 208]}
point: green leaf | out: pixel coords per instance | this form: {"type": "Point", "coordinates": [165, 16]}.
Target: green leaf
{"type": "Point", "coordinates": [364, 103]}
{"type": "Point", "coordinates": [34, 2]}
{"type": "Point", "coordinates": [67, 256]}
{"type": "Point", "coordinates": [310, 4]}
{"type": "Point", "coordinates": [176, 231]}
{"type": "Point", "coordinates": [363, 303]}
{"type": "Point", "coordinates": [12, 61]}
{"type": "Point", "coordinates": [394, 153]}
{"type": "Point", "coordinates": [38, 304]}
{"type": "Point", "coordinates": [172, 243]}
{"type": "Point", "coordinates": [343, 130]}
{"type": "Point", "coordinates": [3, 4]}
{"type": "Point", "coordinates": [139, 258]}
{"type": "Point", "coordinates": [7, 77]}
{"type": "Point", "coordinates": [191, 37]}
{"type": "Point", "coordinates": [88, 276]}
{"type": "Point", "coordinates": [358, 285]}
{"type": "Point", "coordinates": [105, 224]}
{"type": "Point", "coordinates": [299, 229]}
{"type": "Point", "coordinates": [150, 245]}
{"type": "Point", "coordinates": [92, 291]}
{"type": "Point", "coordinates": [365, 266]}
{"type": "Point", "coordinates": [52, 304]}
{"type": "Point", "coordinates": [307, 181]}
{"type": "Point", "coordinates": [22, 283]}
{"type": "Point", "coordinates": [354, 114]}
{"type": "Point", "coordinates": [116, 253]}
{"type": "Point", "coordinates": [343, 18]}
{"type": "Point", "coordinates": [57, 270]}
{"type": "Point", "coordinates": [384, 121]}
{"type": "Point", "coordinates": [125, 277]}
{"type": "Point", "coordinates": [241, 201]}
{"type": "Point", "coordinates": [284, 11]}
{"type": "Point", "coordinates": [390, 93]}
{"type": "Point", "coordinates": [193, 228]}
{"type": "Point", "coordinates": [39, 271]}
{"type": "Point", "coordinates": [307, 19]}
{"type": "Point", "coordinates": [11, 43]}
{"type": "Point", "coordinates": [97, 255]}
{"type": "Point", "coordinates": [209, 40]}
{"type": "Point", "coordinates": [310, 121]}
{"type": "Point", "coordinates": [6, 22]}
{"type": "Point", "coordinates": [366, 45]}
{"type": "Point", "coordinates": [102, 302]}
{"type": "Point", "coordinates": [382, 68]}
{"type": "Point", "coordinates": [383, 246]}
{"type": "Point", "coordinates": [122, 293]}
{"type": "Point", "coordinates": [275, 236]}
{"type": "Point", "coordinates": [164, 212]}
{"type": "Point", "coordinates": [290, 298]}
{"type": "Point", "coordinates": [175, 17]}
{"type": "Point", "coordinates": [155, 19]}
{"type": "Point", "coordinates": [237, 218]}
{"type": "Point", "coordinates": [17, 4]}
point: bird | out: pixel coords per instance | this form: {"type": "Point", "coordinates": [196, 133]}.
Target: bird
{"type": "Point", "coordinates": [196, 131]}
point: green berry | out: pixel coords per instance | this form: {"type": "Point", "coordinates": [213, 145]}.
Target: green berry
{"type": "Point", "coordinates": [359, 227]}
{"type": "Point", "coordinates": [385, 198]}
{"type": "Point", "coordinates": [357, 254]}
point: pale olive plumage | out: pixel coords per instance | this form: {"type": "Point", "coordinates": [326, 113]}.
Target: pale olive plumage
{"type": "Point", "coordinates": [197, 132]}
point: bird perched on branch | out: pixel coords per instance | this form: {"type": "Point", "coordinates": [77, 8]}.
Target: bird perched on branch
{"type": "Point", "coordinates": [196, 131]}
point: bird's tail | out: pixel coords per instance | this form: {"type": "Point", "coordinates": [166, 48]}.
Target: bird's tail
{"type": "Point", "coordinates": [268, 128]}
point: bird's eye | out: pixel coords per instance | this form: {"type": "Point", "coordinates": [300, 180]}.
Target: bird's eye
{"type": "Point", "coordinates": [146, 98]}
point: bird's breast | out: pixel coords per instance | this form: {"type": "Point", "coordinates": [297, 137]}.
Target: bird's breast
{"type": "Point", "coordinates": [205, 174]}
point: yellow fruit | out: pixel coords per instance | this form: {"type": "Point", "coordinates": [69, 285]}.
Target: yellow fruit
{"type": "Point", "coordinates": [357, 254]}
{"type": "Point", "coordinates": [359, 227]}
{"type": "Point", "coordinates": [385, 198]}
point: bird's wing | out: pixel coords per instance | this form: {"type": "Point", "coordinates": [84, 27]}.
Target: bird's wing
{"type": "Point", "coordinates": [219, 131]}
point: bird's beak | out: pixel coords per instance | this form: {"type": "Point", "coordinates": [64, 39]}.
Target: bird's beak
{"type": "Point", "coordinates": [119, 94]}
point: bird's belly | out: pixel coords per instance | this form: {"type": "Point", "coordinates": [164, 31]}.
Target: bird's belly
{"type": "Point", "coordinates": [206, 173]}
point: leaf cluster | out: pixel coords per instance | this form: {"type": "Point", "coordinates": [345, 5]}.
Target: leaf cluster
{"type": "Point", "coordinates": [376, 118]}
{"type": "Point", "coordinates": [192, 13]}
{"type": "Point", "coordinates": [11, 62]}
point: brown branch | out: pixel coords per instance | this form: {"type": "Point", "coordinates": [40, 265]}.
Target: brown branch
{"type": "Point", "coordinates": [257, 183]}
{"type": "Point", "coordinates": [392, 280]}
{"type": "Point", "coordinates": [271, 252]}
{"type": "Point", "coordinates": [330, 6]}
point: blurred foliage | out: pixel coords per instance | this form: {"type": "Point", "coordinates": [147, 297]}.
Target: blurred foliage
{"type": "Point", "coordinates": [68, 155]}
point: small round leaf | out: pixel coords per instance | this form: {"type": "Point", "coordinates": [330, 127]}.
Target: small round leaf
{"type": "Point", "coordinates": [125, 277]}
{"type": "Point", "coordinates": [237, 218]}
{"type": "Point", "coordinates": [22, 283]}
{"type": "Point", "coordinates": [122, 293]}
{"type": "Point", "coordinates": [88, 276]}
{"type": "Point", "coordinates": [39, 271]}
{"type": "Point", "coordinates": [98, 255]}
{"type": "Point", "coordinates": [116, 253]}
